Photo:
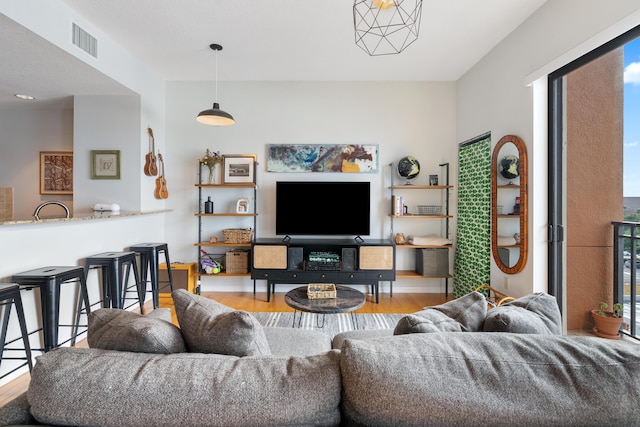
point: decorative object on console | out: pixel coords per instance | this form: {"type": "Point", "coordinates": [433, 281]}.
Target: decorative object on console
{"type": "Point", "coordinates": [211, 160]}
{"type": "Point", "coordinates": [408, 168]}
{"type": "Point", "coordinates": [239, 168]}
{"type": "Point", "coordinates": [384, 27]}
{"type": "Point", "coordinates": [354, 158]}
{"type": "Point", "coordinates": [433, 179]}
{"type": "Point", "coordinates": [215, 116]}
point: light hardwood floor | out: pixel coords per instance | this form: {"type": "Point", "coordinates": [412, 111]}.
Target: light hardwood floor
{"type": "Point", "coordinates": [399, 303]}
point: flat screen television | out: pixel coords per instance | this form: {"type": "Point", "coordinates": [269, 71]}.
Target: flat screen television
{"type": "Point", "coordinates": [321, 208]}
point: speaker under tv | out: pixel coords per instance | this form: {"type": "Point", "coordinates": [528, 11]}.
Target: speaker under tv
{"type": "Point", "coordinates": [323, 208]}
{"type": "Point", "coordinates": [295, 258]}
{"type": "Point", "coordinates": [348, 259]}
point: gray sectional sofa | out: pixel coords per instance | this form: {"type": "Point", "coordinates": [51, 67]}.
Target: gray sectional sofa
{"type": "Point", "coordinates": [441, 366]}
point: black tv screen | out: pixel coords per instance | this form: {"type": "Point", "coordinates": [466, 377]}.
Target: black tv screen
{"type": "Point", "coordinates": [320, 208]}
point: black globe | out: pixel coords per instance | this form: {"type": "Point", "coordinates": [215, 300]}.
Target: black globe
{"type": "Point", "coordinates": [408, 168]}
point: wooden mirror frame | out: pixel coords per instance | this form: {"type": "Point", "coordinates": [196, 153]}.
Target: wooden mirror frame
{"type": "Point", "coordinates": [524, 204]}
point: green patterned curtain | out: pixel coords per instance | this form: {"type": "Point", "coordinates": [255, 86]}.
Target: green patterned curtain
{"type": "Point", "coordinates": [471, 267]}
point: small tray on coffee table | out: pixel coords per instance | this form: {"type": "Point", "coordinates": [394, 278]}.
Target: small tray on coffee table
{"type": "Point", "coordinates": [347, 300]}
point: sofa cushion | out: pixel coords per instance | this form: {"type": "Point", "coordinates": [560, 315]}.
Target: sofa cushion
{"type": "Point", "coordinates": [296, 341]}
{"type": "Point", "coordinates": [360, 334]}
{"type": "Point", "coordinates": [536, 313]}
{"type": "Point", "coordinates": [211, 327]}
{"type": "Point", "coordinates": [117, 329]}
{"type": "Point", "coordinates": [16, 412]}
{"type": "Point", "coordinates": [464, 314]}
{"type": "Point", "coordinates": [78, 386]}
{"type": "Point", "coordinates": [454, 379]}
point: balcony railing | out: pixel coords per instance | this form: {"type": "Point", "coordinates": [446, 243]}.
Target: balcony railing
{"type": "Point", "coordinates": [626, 268]}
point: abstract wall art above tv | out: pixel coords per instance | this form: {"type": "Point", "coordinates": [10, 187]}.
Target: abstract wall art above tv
{"type": "Point", "coordinates": [350, 158]}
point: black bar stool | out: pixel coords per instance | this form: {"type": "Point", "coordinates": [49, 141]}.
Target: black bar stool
{"type": "Point", "coordinates": [114, 286]}
{"type": "Point", "coordinates": [10, 295]}
{"type": "Point", "coordinates": [149, 262]}
{"type": "Point", "coordinates": [48, 280]}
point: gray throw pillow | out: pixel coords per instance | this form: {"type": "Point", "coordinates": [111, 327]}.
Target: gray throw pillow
{"type": "Point", "coordinates": [537, 313]}
{"type": "Point", "coordinates": [210, 327]}
{"type": "Point", "coordinates": [122, 330]}
{"type": "Point", "coordinates": [464, 314]}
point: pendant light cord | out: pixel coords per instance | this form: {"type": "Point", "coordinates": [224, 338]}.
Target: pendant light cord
{"type": "Point", "coordinates": [216, 76]}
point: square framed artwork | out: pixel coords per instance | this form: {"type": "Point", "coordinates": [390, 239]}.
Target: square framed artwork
{"type": "Point", "coordinates": [56, 172]}
{"type": "Point", "coordinates": [238, 168]}
{"type": "Point", "coordinates": [105, 164]}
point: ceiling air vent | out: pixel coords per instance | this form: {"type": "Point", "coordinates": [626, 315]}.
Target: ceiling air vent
{"type": "Point", "coordinates": [85, 41]}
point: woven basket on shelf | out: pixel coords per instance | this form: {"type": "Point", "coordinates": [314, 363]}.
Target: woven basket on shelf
{"type": "Point", "coordinates": [237, 235]}
{"type": "Point", "coordinates": [236, 262]}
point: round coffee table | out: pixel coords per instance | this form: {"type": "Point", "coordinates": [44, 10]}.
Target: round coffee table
{"type": "Point", "coordinates": [347, 300]}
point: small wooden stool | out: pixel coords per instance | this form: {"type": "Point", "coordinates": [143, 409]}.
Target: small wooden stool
{"type": "Point", "coordinates": [10, 295]}
{"type": "Point", "coordinates": [49, 280]}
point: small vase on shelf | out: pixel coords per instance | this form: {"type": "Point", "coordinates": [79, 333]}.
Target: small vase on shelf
{"type": "Point", "coordinates": [213, 175]}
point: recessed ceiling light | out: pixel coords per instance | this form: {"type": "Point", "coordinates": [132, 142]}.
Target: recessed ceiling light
{"type": "Point", "coordinates": [21, 96]}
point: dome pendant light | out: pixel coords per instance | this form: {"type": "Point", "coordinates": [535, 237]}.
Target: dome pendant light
{"type": "Point", "coordinates": [215, 116]}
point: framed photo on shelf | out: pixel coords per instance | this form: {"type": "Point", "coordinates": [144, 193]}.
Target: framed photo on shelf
{"type": "Point", "coordinates": [242, 205]}
{"type": "Point", "coordinates": [105, 164]}
{"type": "Point", "coordinates": [238, 168]}
{"type": "Point", "coordinates": [56, 172]}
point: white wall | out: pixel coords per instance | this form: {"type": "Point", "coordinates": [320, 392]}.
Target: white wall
{"type": "Point", "coordinates": [416, 118]}
{"type": "Point", "coordinates": [107, 123]}
{"type": "Point", "coordinates": [21, 144]}
{"type": "Point", "coordinates": [493, 96]}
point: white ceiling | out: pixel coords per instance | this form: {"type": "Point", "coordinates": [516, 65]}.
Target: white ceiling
{"type": "Point", "coordinates": [286, 40]}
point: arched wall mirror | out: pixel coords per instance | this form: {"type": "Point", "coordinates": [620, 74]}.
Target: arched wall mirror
{"type": "Point", "coordinates": [509, 204]}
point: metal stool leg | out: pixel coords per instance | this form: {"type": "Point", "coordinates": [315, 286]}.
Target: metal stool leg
{"type": "Point", "coordinates": [17, 300]}
{"type": "Point", "coordinates": [168, 262]}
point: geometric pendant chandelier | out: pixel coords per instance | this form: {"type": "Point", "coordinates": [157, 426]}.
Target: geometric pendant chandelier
{"type": "Point", "coordinates": [385, 27]}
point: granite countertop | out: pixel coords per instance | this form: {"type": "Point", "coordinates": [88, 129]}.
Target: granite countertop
{"type": "Point", "coordinates": [83, 216]}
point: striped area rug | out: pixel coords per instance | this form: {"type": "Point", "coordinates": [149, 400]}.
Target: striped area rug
{"type": "Point", "coordinates": [333, 323]}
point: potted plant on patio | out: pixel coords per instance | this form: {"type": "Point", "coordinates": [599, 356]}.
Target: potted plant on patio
{"type": "Point", "coordinates": [607, 322]}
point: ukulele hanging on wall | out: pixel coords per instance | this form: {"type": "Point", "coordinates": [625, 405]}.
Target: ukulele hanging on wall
{"type": "Point", "coordinates": [150, 166]}
{"type": "Point", "coordinates": [161, 191]}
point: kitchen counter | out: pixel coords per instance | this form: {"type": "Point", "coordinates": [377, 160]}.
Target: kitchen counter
{"type": "Point", "coordinates": [82, 216]}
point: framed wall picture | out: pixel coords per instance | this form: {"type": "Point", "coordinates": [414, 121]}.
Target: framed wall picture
{"type": "Point", "coordinates": [105, 164]}
{"type": "Point", "coordinates": [56, 172]}
{"type": "Point", "coordinates": [238, 168]}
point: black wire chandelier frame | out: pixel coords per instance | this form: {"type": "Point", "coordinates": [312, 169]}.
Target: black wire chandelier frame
{"type": "Point", "coordinates": [385, 27]}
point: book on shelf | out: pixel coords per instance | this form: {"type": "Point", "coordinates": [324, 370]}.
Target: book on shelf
{"type": "Point", "coordinates": [397, 205]}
